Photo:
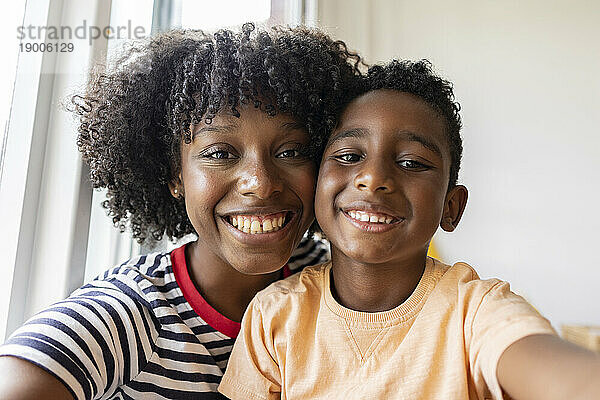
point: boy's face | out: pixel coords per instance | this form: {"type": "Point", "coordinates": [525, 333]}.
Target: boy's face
{"type": "Point", "coordinates": [382, 187]}
{"type": "Point", "coordinates": [249, 190]}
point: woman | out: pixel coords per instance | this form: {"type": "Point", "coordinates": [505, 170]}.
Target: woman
{"type": "Point", "coordinates": [192, 133]}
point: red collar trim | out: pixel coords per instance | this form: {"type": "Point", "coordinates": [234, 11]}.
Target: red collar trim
{"type": "Point", "coordinates": [204, 310]}
{"type": "Point", "coordinates": [286, 271]}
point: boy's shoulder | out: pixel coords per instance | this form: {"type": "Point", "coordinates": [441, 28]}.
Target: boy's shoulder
{"type": "Point", "coordinates": [462, 280]}
{"type": "Point", "coordinates": [306, 284]}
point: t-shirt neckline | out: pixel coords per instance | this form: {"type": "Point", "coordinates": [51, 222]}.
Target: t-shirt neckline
{"type": "Point", "coordinates": [204, 310]}
{"type": "Point", "coordinates": [401, 313]}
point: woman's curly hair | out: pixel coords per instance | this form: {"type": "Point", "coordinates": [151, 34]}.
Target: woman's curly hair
{"type": "Point", "coordinates": [134, 116]}
{"type": "Point", "coordinates": [418, 78]}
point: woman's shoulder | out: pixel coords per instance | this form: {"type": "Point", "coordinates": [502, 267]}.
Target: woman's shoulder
{"type": "Point", "coordinates": [151, 265]}
{"type": "Point", "coordinates": [312, 250]}
{"type": "Point", "coordinates": [143, 279]}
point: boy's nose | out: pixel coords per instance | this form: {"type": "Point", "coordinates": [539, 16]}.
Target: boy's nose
{"type": "Point", "coordinates": [259, 180]}
{"type": "Point", "coordinates": [374, 177]}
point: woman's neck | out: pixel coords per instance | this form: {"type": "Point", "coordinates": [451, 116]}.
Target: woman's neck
{"type": "Point", "coordinates": [374, 287]}
{"type": "Point", "coordinates": [223, 287]}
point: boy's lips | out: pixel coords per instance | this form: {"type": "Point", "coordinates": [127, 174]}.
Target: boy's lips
{"type": "Point", "coordinates": [370, 217]}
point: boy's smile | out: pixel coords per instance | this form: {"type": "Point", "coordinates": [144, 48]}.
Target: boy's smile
{"type": "Point", "coordinates": [383, 183]}
{"type": "Point", "coordinates": [249, 189]}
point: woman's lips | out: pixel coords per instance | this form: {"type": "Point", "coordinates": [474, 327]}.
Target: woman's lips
{"type": "Point", "coordinates": [257, 234]}
{"type": "Point", "coordinates": [258, 224]}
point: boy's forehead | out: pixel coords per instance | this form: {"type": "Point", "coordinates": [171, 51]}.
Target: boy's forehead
{"type": "Point", "coordinates": [389, 100]}
{"type": "Point", "coordinates": [391, 107]}
{"type": "Point", "coordinates": [391, 112]}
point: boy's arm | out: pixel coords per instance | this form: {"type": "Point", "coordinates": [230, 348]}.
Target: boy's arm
{"type": "Point", "coordinates": [547, 367]}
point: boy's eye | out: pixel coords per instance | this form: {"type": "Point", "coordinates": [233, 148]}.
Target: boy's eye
{"type": "Point", "coordinates": [412, 165]}
{"type": "Point", "coordinates": [349, 157]}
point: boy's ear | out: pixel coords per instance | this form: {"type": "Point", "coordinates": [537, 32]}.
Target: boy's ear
{"type": "Point", "coordinates": [176, 187]}
{"type": "Point", "coordinates": [455, 203]}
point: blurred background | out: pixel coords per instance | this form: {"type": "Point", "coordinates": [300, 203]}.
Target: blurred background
{"type": "Point", "coordinates": [525, 73]}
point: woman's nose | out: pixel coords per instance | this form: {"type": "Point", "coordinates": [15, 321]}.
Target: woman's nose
{"type": "Point", "coordinates": [260, 179]}
{"type": "Point", "coordinates": [375, 176]}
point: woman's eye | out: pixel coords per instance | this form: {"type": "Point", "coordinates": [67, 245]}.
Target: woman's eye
{"type": "Point", "coordinates": [412, 165]}
{"type": "Point", "coordinates": [349, 157]}
{"type": "Point", "coordinates": [291, 153]}
{"type": "Point", "coordinates": [218, 155]}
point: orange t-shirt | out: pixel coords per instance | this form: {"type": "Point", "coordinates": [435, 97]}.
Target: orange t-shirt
{"type": "Point", "coordinates": [443, 342]}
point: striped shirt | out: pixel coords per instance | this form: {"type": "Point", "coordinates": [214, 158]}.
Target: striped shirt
{"type": "Point", "coordinates": [139, 331]}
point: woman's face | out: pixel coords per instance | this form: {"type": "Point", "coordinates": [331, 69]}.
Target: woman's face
{"type": "Point", "coordinates": [248, 188]}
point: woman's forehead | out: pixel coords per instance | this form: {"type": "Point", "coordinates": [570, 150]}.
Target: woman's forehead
{"type": "Point", "coordinates": [251, 121]}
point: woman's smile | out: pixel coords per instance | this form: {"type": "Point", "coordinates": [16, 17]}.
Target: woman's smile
{"type": "Point", "coordinates": [261, 230]}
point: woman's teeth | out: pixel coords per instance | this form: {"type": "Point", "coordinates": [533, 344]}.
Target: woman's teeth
{"type": "Point", "coordinates": [370, 217]}
{"type": "Point", "coordinates": [256, 224]}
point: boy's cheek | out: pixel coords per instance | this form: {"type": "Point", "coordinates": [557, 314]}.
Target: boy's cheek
{"type": "Point", "coordinates": [325, 199]}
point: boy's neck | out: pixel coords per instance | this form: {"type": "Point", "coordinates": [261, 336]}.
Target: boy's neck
{"type": "Point", "coordinates": [374, 287]}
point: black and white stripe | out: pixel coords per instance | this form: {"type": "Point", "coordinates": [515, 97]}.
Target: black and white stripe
{"type": "Point", "coordinates": [131, 334]}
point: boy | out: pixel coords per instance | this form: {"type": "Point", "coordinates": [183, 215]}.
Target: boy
{"type": "Point", "coordinates": [382, 320]}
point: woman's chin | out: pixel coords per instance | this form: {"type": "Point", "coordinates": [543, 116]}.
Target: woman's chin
{"type": "Point", "coordinates": [257, 265]}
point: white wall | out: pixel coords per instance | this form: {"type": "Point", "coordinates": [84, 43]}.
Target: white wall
{"type": "Point", "coordinates": [527, 76]}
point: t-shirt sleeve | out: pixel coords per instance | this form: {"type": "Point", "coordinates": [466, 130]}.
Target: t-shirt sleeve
{"type": "Point", "coordinates": [252, 371]}
{"type": "Point", "coordinates": [94, 341]}
{"type": "Point", "coordinates": [498, 318]}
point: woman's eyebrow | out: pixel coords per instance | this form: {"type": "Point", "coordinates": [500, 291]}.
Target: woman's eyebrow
{"type": "Point", "coordinates": [293, 126]}
{"type": "Point", "coordinates": [223, 128]}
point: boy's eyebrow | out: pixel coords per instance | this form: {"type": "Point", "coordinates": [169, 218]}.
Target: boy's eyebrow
{"type": "Point", "coordinates": [353, 133]}
{"type": "Point", "coordinates": [414, 137]}
{"type": "Point", "coordinates": [406, 135]}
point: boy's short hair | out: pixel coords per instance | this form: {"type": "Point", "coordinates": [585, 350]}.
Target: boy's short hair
{"type": "Point", "coordinates": [417, 78]}
{"type": "Point", "coordinates": [133, 117]}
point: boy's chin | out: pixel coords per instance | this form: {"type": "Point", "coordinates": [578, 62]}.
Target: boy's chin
{"type": "Point", "coordinates": [366, 255]}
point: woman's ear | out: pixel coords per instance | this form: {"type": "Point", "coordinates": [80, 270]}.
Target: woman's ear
{"type": "Point", "coordinates": [454, 205]}
{"type": "Point", "coordinates": [176, 187]}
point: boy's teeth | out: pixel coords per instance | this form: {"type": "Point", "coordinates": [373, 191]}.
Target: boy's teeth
{"type": "Point", "coordinates": [253, 224]}
{"type": "Point", "coordinates": [369, 217]}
